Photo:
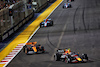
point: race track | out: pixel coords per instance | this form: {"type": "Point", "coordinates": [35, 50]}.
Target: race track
{"type": "Point", "coordinates": [77, 28]}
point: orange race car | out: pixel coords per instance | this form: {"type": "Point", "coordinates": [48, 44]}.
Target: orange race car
{"type": "Point", "coordinates": [33, 47]}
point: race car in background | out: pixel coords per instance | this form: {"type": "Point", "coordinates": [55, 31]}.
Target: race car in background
{"type": "Point", "coordinates": [33, 48]}
{"type": "Point", "coordinates": [67, 56]}
{"type": "Point", "coordinates": [70, 0]}
{"type": "Point", "coordinates": [68, 5]}
{"type": "Point", "coordinates": [46, 23]}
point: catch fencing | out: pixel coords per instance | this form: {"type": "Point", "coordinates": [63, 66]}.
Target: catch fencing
{"type": "Point", "coordinates": [20, 13]}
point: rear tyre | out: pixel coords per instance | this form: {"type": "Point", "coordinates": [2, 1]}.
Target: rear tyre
{"type": "Point", "coordinates": [70, 6]}
{"type": "Point", "coordinates": [57, 57]}
{"type": "Point", "coordinates": [24, 48]}
{"type": "Point", "coordinates": [42, 49]}
{"type": "Point", "coordinates": [51, 23]}
{"type": "Point", "coordinates": [41, 25]}
{"type": "Point", "coordinates": [84, 56]}
{"type": "Point", "coordinates": [64, 7]}
{"type": "Point", "coordinates": [26, 51]}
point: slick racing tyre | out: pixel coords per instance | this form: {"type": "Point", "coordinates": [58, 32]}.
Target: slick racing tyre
{"type": "Point", "coordinates": [57, 57]}
{"type": "Point", "coordinates": [51, 23]}
{"type": "Point", "coordinates": [24, 48]}
{"type": "Point", "coordinates": [70, 6]}
{"type": "Point", "coordinates": [26, 51]}
{"type": "Point", "coordinates": [62, 59]}
{"type": "Point", "coordinates": [41, 25]}
{"type": "Point", "coordinates": [64, 7]}
{"type": "Point", "coordinates": [42, 49]}
{"type": "Point", "coordinates": [84, 56]}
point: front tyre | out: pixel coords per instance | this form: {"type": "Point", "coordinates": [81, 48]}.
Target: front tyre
{"type": "Point", "coordinates": [26, 51]}
{"type": "Point", "coordinates": [51, 23]}
{"type": "Point", "coordinates": [40, 25]}
{"type": "Point", "coordinates": [84, 56]}
{"type": "Point", "coordinates": [24, 48]}
{"type": "Point", "coordinates": [42, 49]}
{"type": "Point", "coordinates": [57, 57]}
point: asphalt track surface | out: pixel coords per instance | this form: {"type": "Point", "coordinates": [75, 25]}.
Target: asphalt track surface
{"type": "Point", "coordinates": [77, 28]}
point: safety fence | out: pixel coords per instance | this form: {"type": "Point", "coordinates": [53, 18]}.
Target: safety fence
{"type": "Point", "coordinates": [13, 18]}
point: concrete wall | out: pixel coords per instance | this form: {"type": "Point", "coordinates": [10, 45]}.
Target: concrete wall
{"type": "Point", "coordinates": [19, 18]}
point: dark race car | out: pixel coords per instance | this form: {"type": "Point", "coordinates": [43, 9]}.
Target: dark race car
{"type": "Point", "coordinates": [70, 57]}
{"type": "Point", "coordinates": [67, 5]}
{"type": "Point", "coordinates": [46, 23]}
{"type": "Point", "coordinates": [33, 48]}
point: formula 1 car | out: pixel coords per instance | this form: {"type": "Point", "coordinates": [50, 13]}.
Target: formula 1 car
{"type": "Point", "coordinates": [67, 56]}
{"type": "Point", "coordinates": [67, 5]}
{"type": "Point", "coordinates": [32, 48]}
{"type": "Point", "coordinates": [46, 23]}
{"type": "Point", "coordinates": [70, 0]}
